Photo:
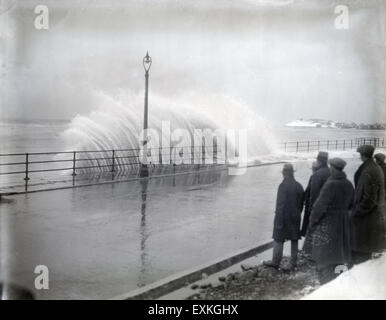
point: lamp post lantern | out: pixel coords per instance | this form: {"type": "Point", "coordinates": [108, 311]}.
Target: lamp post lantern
{"type": "Point", "coordinates": [146, 65]}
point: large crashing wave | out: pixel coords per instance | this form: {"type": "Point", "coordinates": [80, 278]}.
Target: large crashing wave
{"type": "Point", "coordinates": [116, 122]}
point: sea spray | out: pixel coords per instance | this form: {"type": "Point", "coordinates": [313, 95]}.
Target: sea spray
{"type": "Point", "coordinates": [116, 124]}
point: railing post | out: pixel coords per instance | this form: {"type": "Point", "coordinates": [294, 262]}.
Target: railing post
{"type": "Point", "coordinates": [308, 146]}
{"type": "Point", "coordinates": [226, 149]}
{"type": "Point", "coordinates": [328, 144]}
{"type": "Point", "coordinates": [192, 153]}
{"type": "Point", "coordinates": [336, 145]}
{"type": "Point", "coordinates": [297, 146]}
{"type": "Point", "coordinates": [214, 152]}
{"type": "Point", "coordinates": [160, 155]}
{"type": "Point", "coordinates": [318, 145]}
{"type": "Point", "coordinates": [113, 161]}
{"type": "Point", "coordinates": [203, 150]}
{"type": "Point", "coordinates": [74, 164]}
{"type": "Point", "coordinates": [285, 146]}
{"type": "Point", "coordinates": [351, 144]}
{"type": "Point", "coordinates": [344, 144]}
{"type": "Point", "coordinates": [26, 178]}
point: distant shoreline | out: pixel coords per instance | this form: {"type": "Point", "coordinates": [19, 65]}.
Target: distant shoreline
{"type": "Point", "coordinates": [337, 128]}
{"type": "Point", "coordinates": [321, 123]}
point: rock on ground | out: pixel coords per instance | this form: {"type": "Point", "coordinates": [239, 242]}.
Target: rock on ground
{"type": "Point", "coordinates": [264, 283]}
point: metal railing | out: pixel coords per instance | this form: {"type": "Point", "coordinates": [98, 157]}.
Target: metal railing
{"type": "Point", "coordinates": [72, 163]}
{"type": "Point", "coordinates": [103, 161]}
{"type": "Point", "coordinates": [330, 145]}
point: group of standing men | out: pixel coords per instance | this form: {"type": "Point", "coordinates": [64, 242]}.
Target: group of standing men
{"type": "Point", "coordinates": [342, 225]}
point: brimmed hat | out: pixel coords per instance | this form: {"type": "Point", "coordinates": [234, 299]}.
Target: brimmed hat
{"type": "Point", "coordinates": [288, 167]}
{"type": "Point", "coordinates": [380, 157]}
{"type": "Point", "coordinates": [322, 156]}
{"type": "Point", "coordinates": [337, 163]}
{"type": "Point", "coordinates": [366, 150]}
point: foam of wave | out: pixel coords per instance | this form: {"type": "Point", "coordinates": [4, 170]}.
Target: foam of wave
{"type": "Point", "coordinates": [117, 121]}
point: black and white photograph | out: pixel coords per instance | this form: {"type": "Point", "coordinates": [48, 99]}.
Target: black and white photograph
{"type": "Point", "coordinates": [192, 150]}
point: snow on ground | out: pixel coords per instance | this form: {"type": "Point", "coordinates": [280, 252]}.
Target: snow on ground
{"type": "Point", "coordinates": [311, 123]}
{"type": "Point", "coordinates": [303, 156]}
{"type": "Point", "coordinates": [366, 281]}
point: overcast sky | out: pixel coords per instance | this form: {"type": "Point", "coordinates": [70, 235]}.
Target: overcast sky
{"type": "Point", "coordinates": [283, 58]}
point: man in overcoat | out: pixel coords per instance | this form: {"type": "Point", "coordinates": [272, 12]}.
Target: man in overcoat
{"type": "Point", "coordinates": [289, 206]}
{"type": "Point", "coordinates": [319, 177]}
{"type": "Point", "coordinates": [367, 219]}
{"type": "Point", "coordinates": [380, 160]}
{"type": "Point", "coordinates": [330, 221]}
{"type": "Point", "coordinates": [307, 201]}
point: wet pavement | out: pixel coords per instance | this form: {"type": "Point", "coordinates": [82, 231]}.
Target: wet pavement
{"type": "Point", "coordinates": [105, 240]}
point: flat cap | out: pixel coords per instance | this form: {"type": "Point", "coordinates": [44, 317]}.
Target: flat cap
{"type": "Point", "coordinates": [380, 157]}
{"type": "Point", "coordinates": [322, 156]}
{"type": "Point", "coordinates": [288, 167]}
{"type": "Point", "coordinates": [337, 163]}
{"type": "Point", "coordinates": [366, 150]}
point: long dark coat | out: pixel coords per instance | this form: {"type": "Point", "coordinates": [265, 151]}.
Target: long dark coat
{"type": "Point", "coordinates": [329, 222]}
{"type": "Point", "coordinates": [307, 208]}
{"type": "Point", "coordinates": [367, 219]}
{"type": "Point", "coordinates": [289, 206]}
{"type": "Point", "coordinates": [318, 179]}
{"type": "Point", "coordinates": [316, 183]}
{"type": "Point", "coordinates": [383, 167]}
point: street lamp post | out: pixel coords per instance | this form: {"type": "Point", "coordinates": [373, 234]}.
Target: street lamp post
{"type": "Point", "coordinates": [146, 65]}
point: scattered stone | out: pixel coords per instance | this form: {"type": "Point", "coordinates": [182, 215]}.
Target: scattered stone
{"type": "Point", "coordinates": [202, 296]}
{"type": "Point", "coordinates": [376, 255]}
{"type": "Point", "coordinates": [194, 286]}
{"type": "Point", "coordinates": [261, 282]}
{"type": "Point", "coordinates": [236, 275]}
{"type": "Point", "coordinates": [205, 285]}
{"type": "Point", "coordinates": [219, 286]}
{"type": "Point", "coordinates": [247, 275]}
{"type": "Point", "coordinates": [246, 267]}
{"type": "Point", "coordinates": [230, 277]}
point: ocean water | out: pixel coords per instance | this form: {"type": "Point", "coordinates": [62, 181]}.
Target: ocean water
{"type": "Point", "coordinates": [40, 135]}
